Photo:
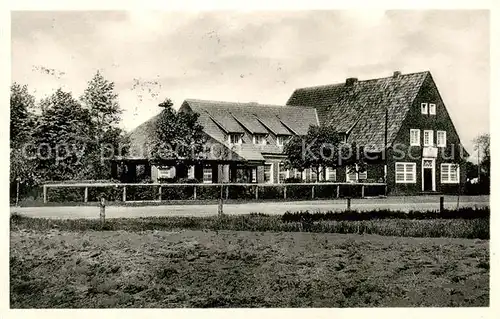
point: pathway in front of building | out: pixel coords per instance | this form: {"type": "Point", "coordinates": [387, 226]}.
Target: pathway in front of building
{"type": "Point", "coordinates": [393, 203]}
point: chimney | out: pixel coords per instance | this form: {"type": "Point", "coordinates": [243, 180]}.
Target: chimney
{"type": "Point", "coordinates": [350, 81]}
{"type": "Point", "coordinates": [396, 74]}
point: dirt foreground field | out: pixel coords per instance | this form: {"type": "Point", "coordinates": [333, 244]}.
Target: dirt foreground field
{"type": "Point", "coordinates": [243, 269]}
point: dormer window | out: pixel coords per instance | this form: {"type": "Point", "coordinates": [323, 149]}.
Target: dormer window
{"type": "Point", "coordinates": [235, 138]}
{"type": "Point", "coordinates": [282, 139]}
{"type": "Point", "coordinates": [423, 106]}
{"type": "Point", "coordinates": [259, 139]}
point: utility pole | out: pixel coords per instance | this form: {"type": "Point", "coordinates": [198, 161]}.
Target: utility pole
{"type": "Point", "coordinates": [385, 148]}
{"type": "Point", "coordinates": [478, 163]}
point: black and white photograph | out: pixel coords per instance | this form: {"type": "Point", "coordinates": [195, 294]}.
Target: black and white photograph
{"type": "Point", "coordinates": [333, 158]}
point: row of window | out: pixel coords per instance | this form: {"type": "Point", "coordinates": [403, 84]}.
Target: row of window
{"type": "Point", "coordinates": [407, 173]}
{"type": "Point", "coordinates": [428, 138]}
{"type": "Point", "coordinates": [258, 139]}
{"type": "Point", "coordinates": [310, 175]}
{"type": "Point", "coordinates": [428, 108]}
{"type": "Point", "coordinates": [167, 172]}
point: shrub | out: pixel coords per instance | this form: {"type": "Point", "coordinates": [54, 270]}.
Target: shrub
{"type": "Point", "coordinates": [462, 213]}
{"type": "Point", "coordinates": [65, 194]}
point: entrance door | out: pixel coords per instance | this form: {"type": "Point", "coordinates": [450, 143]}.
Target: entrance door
{"type": "Point", "coordinates": [427, 179]}
{"type": "Point", "coordinates": [428, 170]}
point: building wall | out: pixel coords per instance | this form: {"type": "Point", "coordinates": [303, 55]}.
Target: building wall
{"type": "Point", "coordinates": [403, 152]}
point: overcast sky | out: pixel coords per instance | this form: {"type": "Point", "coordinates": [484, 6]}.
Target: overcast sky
{"type": "Point", "coordinates": [253, 56]}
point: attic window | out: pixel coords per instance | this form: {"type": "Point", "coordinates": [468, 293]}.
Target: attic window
{"type": "Point", "coordinates": [235, 138]}
{"type": "Point", "coordinates": [423, 106]}
{"type": "Point", "coordinates": [259, 139]}
{"type": "Point", "coordinates": [432, 109]}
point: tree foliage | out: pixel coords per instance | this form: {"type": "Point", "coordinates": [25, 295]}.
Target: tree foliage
{"type": "Point", "coordinates": [21, 101]}
{"type": "Point", "coordinates": [70, 138]}
{"type": "Point", "coordinates": [106, 140]}
{"type": "Point", "coordinates": [61, 136]}
{"type": "Point", "coordinates": [22, 169]}
{"type": "Point", "coordinates": [178, 135]}
{"type": "Point", "coordinates": [482, 144]}
{"type": "Point", "coordinates": [322, 147]}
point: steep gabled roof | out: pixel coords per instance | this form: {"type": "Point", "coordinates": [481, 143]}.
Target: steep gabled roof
{"type": "Point", "coordinates": [257, 118]}
{"type": "Point", "coordinates": [359, 108]}
{"type": "Point", "coordinates": [220, 118]}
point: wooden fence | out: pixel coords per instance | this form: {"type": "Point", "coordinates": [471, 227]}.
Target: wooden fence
{"type": "Point", "coordinates": [224, 188]}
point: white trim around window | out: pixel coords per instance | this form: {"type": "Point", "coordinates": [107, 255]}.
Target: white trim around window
{"type": "Point", "coordinates": [414, 137]}
{"type": "Point", "coordinates": [234, 138]}
{"type": "Point", "coordinates": [423, 108]}
{"type": "Point", "coordinates": [207, 174]}
{"type": "Point", "coordinates": [441, 138]}
{"type": "Point", "coordinates": [432, 109]}
{"type": "Point", "coordinates": [282, 171]}
{"type": "Point", "coordinates": [331, 174]}
{"type": "Point", "coordinates": [428, 138]}
{"type": "Point", "coordinates": [450, 173]}
{"type": "Point", "coordinates": [405, 172]}
{"type": "Point", "coordinates": [271, 173]}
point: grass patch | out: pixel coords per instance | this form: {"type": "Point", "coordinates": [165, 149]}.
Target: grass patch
{"type": "Point", "coordinates": [465, 223]}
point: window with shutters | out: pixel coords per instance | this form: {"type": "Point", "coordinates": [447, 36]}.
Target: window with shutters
{"type": "Point", "coordinates": [432, 109]}
{"type": "Point", "coordinates": [353, 176]}
{"type": "Point", "coordinates": [235, 138]}
{"type": "Point", "coordinates": [282, 139]}
{"type": "Point", "coordinates": [350, 175]}
{"type": "Point", "coordinates": [166, 172]}
{"type": "Point", "coordinates": [259, 139]}
{"type": "Point", "coordinates": [268, 173]}
{"type": "Point", "coordinates": [362, 175]}
{"type": "Point", "coordinates": [284, 173]}
{"type": "Point", "coordinates": [406, 172]}
{"type": "Point", "coordinates": [441, 138]}
{"type": "Point", "coordinates": [415, 137]}
{"type": "Point", "coordinates": [207, 174]}
{"type": "Point", "coordinates": [428, 138]}
{"type": "Point", "coordinates": [423, 107]}
{"type": "Point", "coordinates": [191, 172]}
{"type": "Point", "coordinates": [254, 175]}
{"type": "Point", "coordinates": [331, 174]}
{"type": "Point", "coordinates": [297, 173]}
{"type": "Point", "coordinates": [450, 173]}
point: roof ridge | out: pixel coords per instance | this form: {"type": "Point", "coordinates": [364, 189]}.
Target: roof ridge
{"type": "Point", "coordinates": [252, 104]}
{"type": "Point", "coordinates": [367, 80]}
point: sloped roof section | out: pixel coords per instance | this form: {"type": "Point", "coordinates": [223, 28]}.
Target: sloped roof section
{"type": "Point", "coordinates": [256, 118]}
{"type": "Point", "coordinates": [220, 118]}
{"type": "Point", "coordinates": [359, 108]}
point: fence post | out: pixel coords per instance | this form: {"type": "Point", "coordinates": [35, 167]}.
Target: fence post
{"type": "Point", "coordinates": [194, 192]}
{"type": "Point", "coordinates": [348, 203]}
{"type": "Point", "coordinates": [44, 194]}
{"type": "Point", "coordinates": [312, 192]}
{"type": "Point", "coordinates": [220, 207]}
{"type": "Point", "coordinates": [256, 192]}
{"type": "Point", "coordinates": [338, 191]}
{"type": "Point", "coordinates": [441, 204]}
{"type": "Point", "coordinates": [86, 195]}
{"type": "Point", "coordinates": [284, 192]}
{"type": "Point", "coordinates": [159, 193]}
{"type": "Point", "coordinates": [227, 192]}
{"type": "Point", "coordinates": [102, 214]}
{"type": "Point", "coordinates": [362, 191]}
{"type": "Point", "coordinates": [124, 198]}
{"type": "Point", "coordinates": [17, 191]}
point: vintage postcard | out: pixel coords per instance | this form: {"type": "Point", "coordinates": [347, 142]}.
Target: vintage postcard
{"type": "Point", "coordinates": [333, 158]}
